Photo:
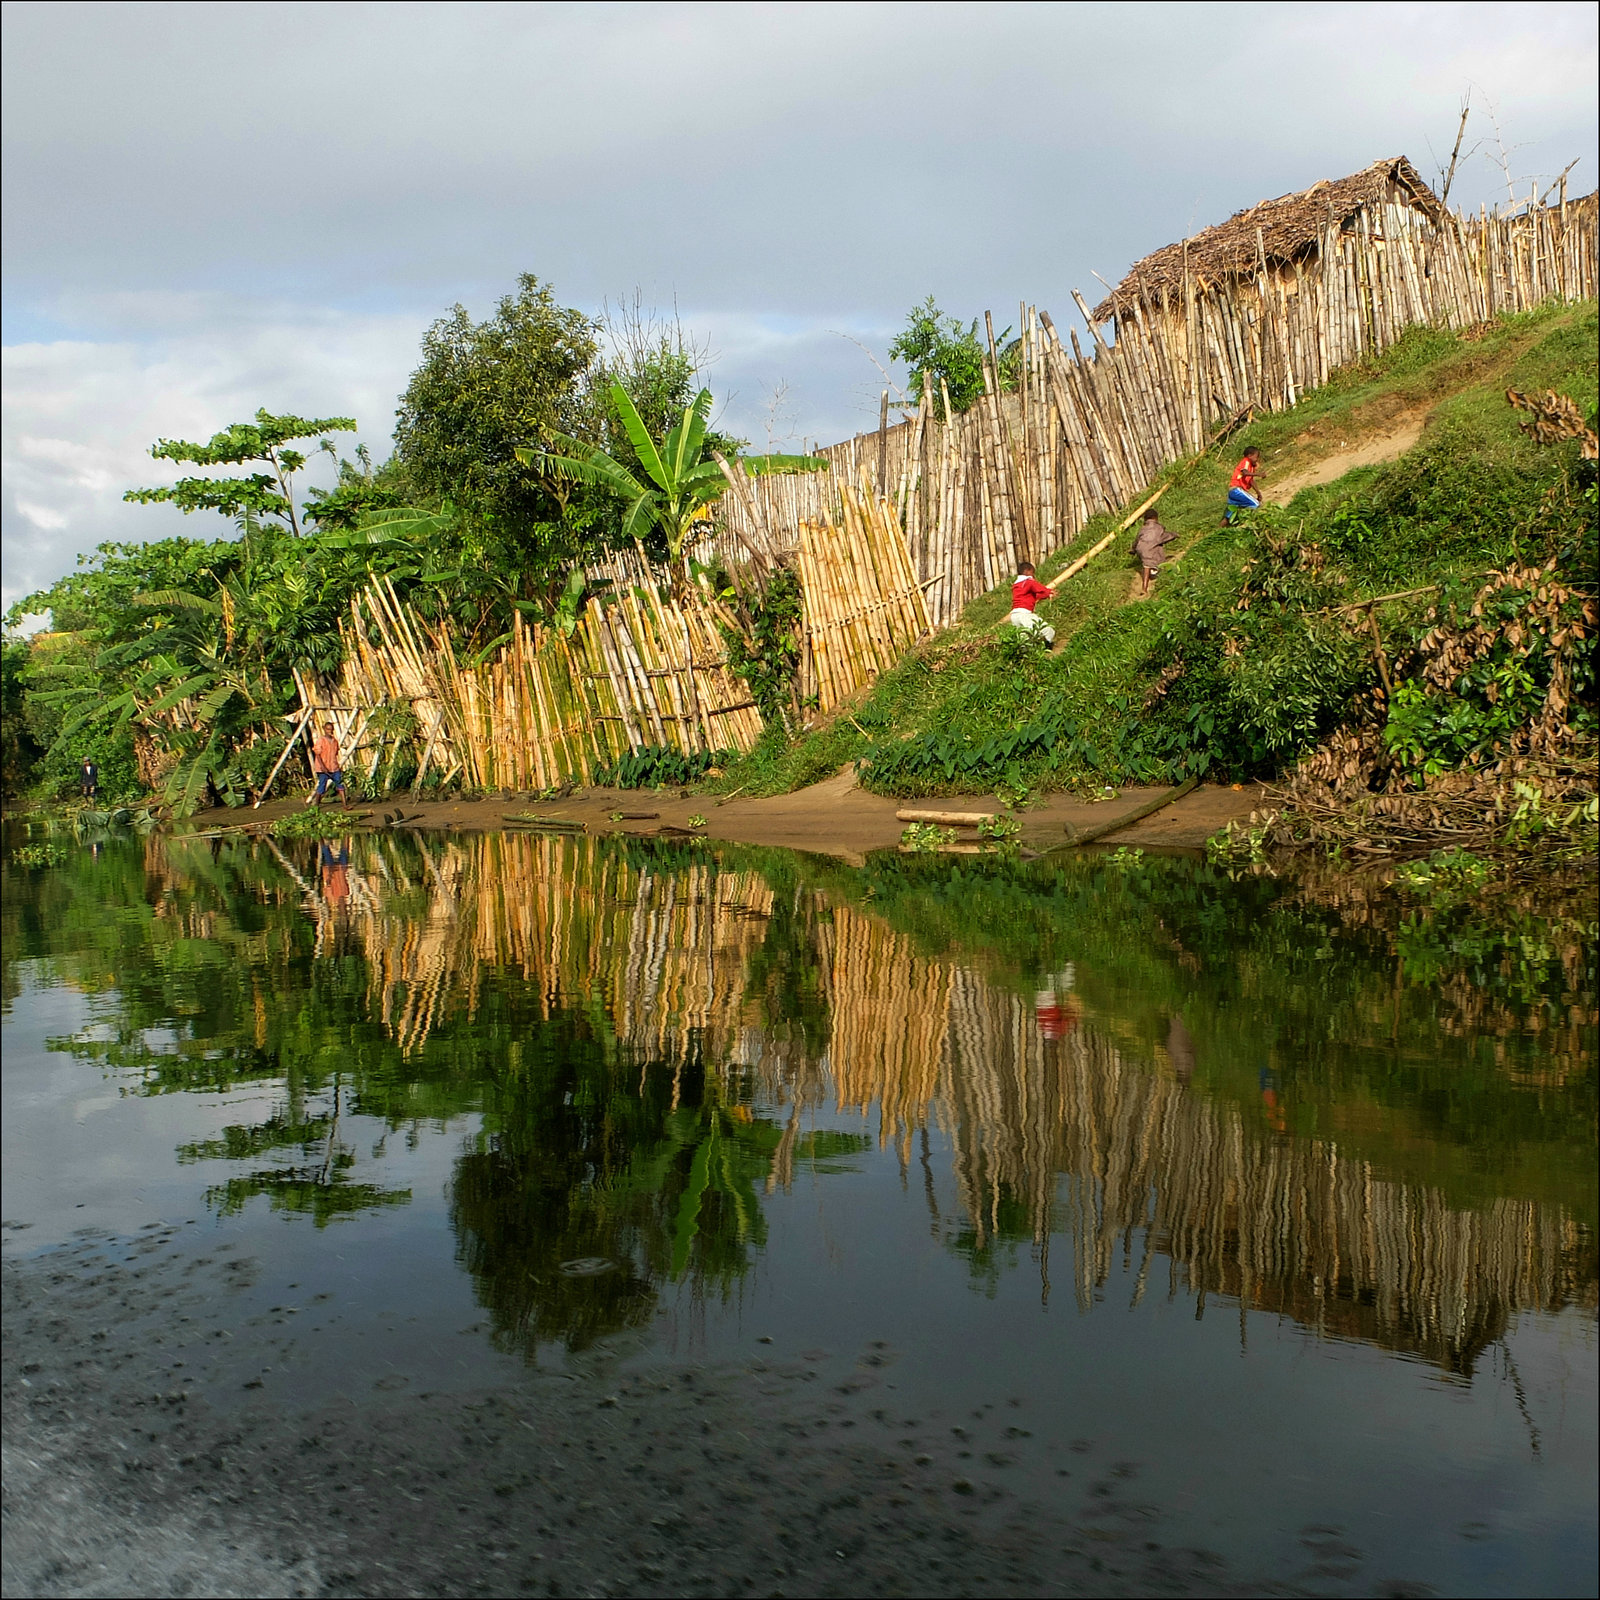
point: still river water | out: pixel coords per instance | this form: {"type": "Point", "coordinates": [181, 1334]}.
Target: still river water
{"type": "Point", "coordinates": [1286, 1188]}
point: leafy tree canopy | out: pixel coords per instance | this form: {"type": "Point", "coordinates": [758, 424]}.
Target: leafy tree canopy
{"type": "Point", "coordinates": [262, 494]}
{"type": "Point", "coordinates": [485, 388]}
{"type": "Point", "coordinates": [938, 350]}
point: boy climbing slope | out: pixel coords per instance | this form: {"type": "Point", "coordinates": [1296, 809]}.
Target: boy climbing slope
{"type": "Point", "coordinates": [1242, 492]}
{"type": "Point", "coordinates": [1026, 593]}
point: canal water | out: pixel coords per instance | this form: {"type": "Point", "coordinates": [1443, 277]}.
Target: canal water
{"type": "Point", "coordinates": [1274, 1197]}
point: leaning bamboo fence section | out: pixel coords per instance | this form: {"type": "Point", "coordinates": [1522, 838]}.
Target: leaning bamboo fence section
{"type": "Point", "coordinates": [1063, 432]}
{"type": "Point", "coordinates": [643, 668]}
{"type": "Point", "coordinates": [910, 524]}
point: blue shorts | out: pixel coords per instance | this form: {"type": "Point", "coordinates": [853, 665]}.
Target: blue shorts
{"type": "Point", "coordinates": [327, 781]}
{"type": "Point", "coordinates": [1243, 497]}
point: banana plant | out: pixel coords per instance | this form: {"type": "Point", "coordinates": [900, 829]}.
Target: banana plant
{"type": "Point", "coordinates": [681, 474]}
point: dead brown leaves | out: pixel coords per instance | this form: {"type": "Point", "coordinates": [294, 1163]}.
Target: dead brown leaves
{"type": "Point", "coordinates": [1351, 792]}
{"type": "Point", "coordinates": [1555, 417]}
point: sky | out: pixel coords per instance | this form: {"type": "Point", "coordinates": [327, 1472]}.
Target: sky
{"type": "Point", "coordinates": [214, 208]}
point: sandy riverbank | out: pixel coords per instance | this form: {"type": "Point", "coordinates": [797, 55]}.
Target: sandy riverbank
{"type": "Point", "coordinates": [834, 817]}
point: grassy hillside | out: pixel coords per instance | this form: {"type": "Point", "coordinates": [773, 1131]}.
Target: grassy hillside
{"type": "Point", "coordinates": [1241, 660]}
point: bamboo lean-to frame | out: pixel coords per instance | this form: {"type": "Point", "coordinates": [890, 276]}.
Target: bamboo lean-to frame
{"type": "Point", "coordinates": [911, 523]}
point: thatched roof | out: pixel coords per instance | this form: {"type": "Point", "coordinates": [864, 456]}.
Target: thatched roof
{"type": "Point", "coordinates": [1290, 228]}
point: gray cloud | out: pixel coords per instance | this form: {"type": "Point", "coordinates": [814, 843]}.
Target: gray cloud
{"type": "Point", "coordinates": [342, 173]}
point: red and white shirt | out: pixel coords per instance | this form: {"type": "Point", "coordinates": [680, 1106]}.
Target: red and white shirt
{"type": "Point", "coordinates": [1026, 593]}
{"type": "Point", "coordinates": [1244, 475]}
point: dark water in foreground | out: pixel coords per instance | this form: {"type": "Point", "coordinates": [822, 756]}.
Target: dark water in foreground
{"type": "Point", "coordinates": [1281, 1195]}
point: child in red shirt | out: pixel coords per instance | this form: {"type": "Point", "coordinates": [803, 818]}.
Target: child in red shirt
{"type": "Point", "coordinates": [1242, 494]}
{"type": "Point", "coordinates": [1026, 593]}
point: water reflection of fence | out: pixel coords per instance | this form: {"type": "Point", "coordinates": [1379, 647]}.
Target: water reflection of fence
{"type": "Point", "coordinates": [662, 953]}
{"type": "Point", "coordinates": [1053, 1126]}
{"type": "Point", "coordinates": [1291, 1225]}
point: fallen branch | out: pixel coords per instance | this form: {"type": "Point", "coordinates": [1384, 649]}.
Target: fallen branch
{"type": "Point", "coordinates": [1149, 808]}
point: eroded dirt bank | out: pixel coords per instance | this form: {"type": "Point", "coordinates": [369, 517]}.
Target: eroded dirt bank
{"type": "Point", "coordinates": [138, 1461]}
{"type": "Point", "coordinates": [833, 817]}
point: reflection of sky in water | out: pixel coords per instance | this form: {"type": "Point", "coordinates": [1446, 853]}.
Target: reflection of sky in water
{"type": "Point", "coordinates": [1167, 1160]}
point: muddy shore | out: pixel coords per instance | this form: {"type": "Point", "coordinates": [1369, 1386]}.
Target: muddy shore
{"type": "Point", "coordinates": [139, 1461]}
{"type": "Point", "coordinates": [834, 817]}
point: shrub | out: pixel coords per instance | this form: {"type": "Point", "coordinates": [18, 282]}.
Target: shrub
{"type": "Point", "coordinates": [653, 765]}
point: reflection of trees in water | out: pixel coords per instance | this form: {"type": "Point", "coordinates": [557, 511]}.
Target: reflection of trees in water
{"type": "Point", "coordinates": [320, 1185]}
{"type": "Point", "coordinates": [1065, 1128]}
{"type": "Point", "coordinates": [598, 1179]}
{"type": "Point", "coordinates": [612, 1009]}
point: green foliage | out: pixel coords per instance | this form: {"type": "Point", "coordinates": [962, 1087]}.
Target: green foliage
{"type": "Point", "coordinates": [653, 766]}
{"type": "Point", "coordinates": [765, 648]}
{"type": "Point", "coordinates": [926, 838]}
{"type": "Point", "coordinates": [482, 391]}
{"type": "Point", "coordinates": [51, 853]}
{"type": "Point", "coordinates": [1445, 870]}
{"type": "Point", "coordinates": [1021, 647]}
{"type": "Point", "coordinates": [19, 748]}
{"type": "Point", "coordinates": [678, 477]}
{"type": "Point", "coordinates": [1532, 819]}
{"type": "Point", "coordinates": [314, 823]}
{"type": "Point", "coordinates": [1000, 830]}
{"type": "Point", "coordinates": [1237, 845]}
{"type": "Point", "coordinates": [1255, 665]}
{"type": "Point", "coordinates": [262, 494]}
{"type": "Point", "coordinates": [938, 350]}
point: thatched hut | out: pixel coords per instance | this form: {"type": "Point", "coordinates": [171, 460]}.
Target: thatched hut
{"type": "Point", "coordinates": [1275, 241]}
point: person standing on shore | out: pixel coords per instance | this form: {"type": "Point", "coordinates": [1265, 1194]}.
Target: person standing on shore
{"type": "Point", "coordinates": [1026, 593]}
{"type": "Point", "coordinates": [325, 764]}
{"type": "Point", "coordinates": [1242, 492]}
{"type": "Point", "coordinates": [1148, 546]}
{"type": "Point", "coordinates": [89, 779]}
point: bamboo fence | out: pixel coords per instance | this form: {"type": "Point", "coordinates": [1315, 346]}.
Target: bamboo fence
{"type": "Point", "coordinates": [641, 668]}
{"type": "Point", "coordinates": [1079, 432]}
{"type": "Point", "coordinates": [908, 525]}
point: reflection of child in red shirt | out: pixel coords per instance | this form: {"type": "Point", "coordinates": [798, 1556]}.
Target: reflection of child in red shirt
{"type": "Point", "coordinates": [336, 874]}
{"type": "Point", "coordinates": [1057, 1015]}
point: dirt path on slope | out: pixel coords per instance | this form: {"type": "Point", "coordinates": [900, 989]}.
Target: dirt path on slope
{"type": "Point", "coordinates": [1392, 441]}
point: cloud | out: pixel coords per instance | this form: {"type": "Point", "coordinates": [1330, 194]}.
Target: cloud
{"type": "Point", "coordinates": [80, 414]}
{"type": "Point", "coordinates": [211, 209]}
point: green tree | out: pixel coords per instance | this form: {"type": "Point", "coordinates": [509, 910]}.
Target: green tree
{"type": "Point", "coordinates": [675, 480]}
{"type": "Point", "coordinates": [483, 390]}
{"type": "Point", "coordinates": [678, 477]}
{"type": "Point", "coordinates": [19, 750]}
{"type": "Point", "coordinates": [938, 350]}
{"type": "Point", "coordinates": [262, 494]}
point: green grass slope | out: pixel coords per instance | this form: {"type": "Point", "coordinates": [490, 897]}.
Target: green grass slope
{"type": "Point", "coordinates": [1241, 660]}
